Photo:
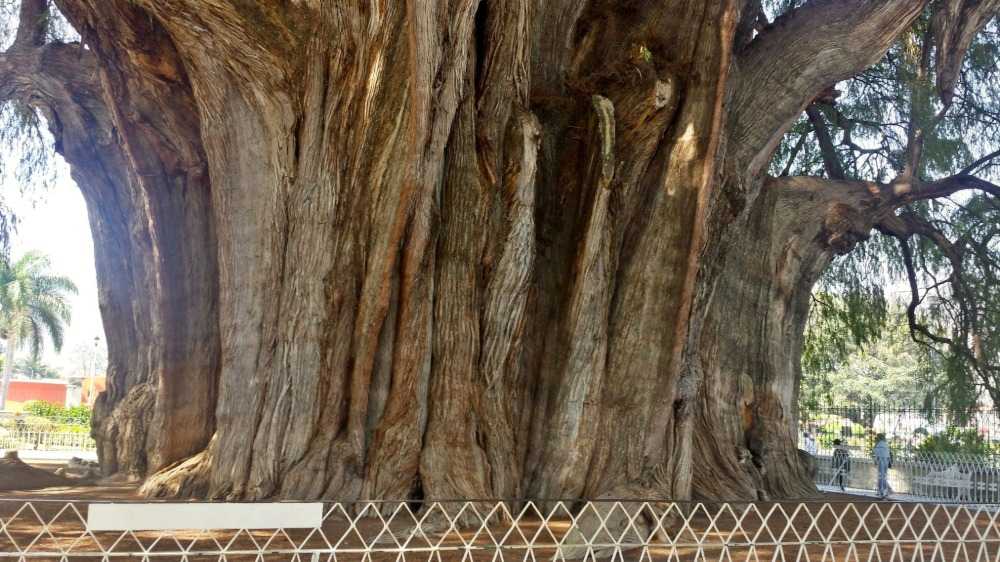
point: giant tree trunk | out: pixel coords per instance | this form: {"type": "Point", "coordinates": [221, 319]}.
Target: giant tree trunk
{"type": "Point", "coordinates": [753, 338]}
{"type": "Point", "coordinates": [474, 248]}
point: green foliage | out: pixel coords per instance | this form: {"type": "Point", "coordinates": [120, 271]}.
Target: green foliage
{"type": "Point", "coordinates": [887, 368]}
{"type": "Point", "coordinates": [957, 301]}
{"type": "Point", "coordinates": [830, 427]}
{"type": "Point", "coordinates": [25, 145]}
{"type": "Point", "coordinates": [42, 417]}
{"type": "Point", "coordinates": [79, 415]}
{"type": "Point", "coordinates": [955, 440]}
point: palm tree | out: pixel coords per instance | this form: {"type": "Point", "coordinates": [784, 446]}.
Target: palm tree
{"type": "Point", "coordinates": [32, 305]}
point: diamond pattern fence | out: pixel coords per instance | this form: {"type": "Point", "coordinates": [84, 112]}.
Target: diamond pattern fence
{"type": "Point", "coordinates": [491, 531]}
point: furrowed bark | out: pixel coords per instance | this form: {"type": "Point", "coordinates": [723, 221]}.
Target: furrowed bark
{"type": "Point", "coordinates": [770, 269]}
{"type": "Point", "coordinates": [472, 248]}
{"type": "Point", "coordinates": [62, 82]}
{"type": "Point", "coordinates": [150, 107]}
{"type": "Point", "coordinates": [580, 348]}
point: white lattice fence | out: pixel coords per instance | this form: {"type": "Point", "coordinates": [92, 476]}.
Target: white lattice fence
{"type": "Point", "coordinates": [490, 531]}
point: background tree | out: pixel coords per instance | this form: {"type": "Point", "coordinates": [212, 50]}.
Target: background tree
{"type": "Point", "coordinates": [943, 253]}
{"type": "Point", "coordinates": [34, 368]}
{"type": "Point", "coordinates": [890, 369]}
{"type": "Point", "coordinates": [33, 307]}
{"type": "Point", "coordinates": [88, 359]}
{"type": "Point", "coordinates": [474, 248]}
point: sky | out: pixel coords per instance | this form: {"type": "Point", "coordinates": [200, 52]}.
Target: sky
{"type": "Point", "coordinates": [54, 222]}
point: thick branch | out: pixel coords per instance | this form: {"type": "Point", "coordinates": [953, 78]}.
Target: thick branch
{"type": "Point", "coordinates": [949, 186]}
{"type": "Point", "coordinates": [882, 199]}
{"type": "Point", "coordinates": [831, 161]}
{"type": "Point", "coordinates": [49, 76]}
{"type": "Point", "coordinates": [32, 23]}
{"type": "Point", "coordinates": [919, 102]}
{"type": "Point", "coordinates": [955, 24]}
{"type": "Point", "coordinates": [819, 44]}
{"type": "Point", "coordinates": [912, 224]}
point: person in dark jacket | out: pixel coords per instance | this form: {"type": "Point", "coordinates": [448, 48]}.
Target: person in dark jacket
{"type": "Point", "coordinates": [841, 462]}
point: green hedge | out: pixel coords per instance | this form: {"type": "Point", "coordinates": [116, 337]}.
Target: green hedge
{"type": "Point", "coordinates": [75, 414]}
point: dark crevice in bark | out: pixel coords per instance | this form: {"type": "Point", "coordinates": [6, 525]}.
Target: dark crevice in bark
{"type": "Point", "coordinates": [482, 37]}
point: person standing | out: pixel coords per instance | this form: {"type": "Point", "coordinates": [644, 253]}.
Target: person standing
{"type": "Point", "coordinates": [809, 443]}
{"type": "Point", "coordinates": [883, 462]}
{"type": "Point", "coordinates": [841, 462]}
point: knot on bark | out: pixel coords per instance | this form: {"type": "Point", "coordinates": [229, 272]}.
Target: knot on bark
{"type": "Point", "coordinates": [843, 228]}
{"type": "Point", "coordinates": [120, 429]}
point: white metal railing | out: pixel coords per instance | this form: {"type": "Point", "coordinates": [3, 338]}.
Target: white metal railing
{"type": "Point", "coordinates": [46, 441]}
{"type": "Point", "coordinates": [494, 531]}
{"type": "Point", "coordinates": [935, 476]}
{"type": "Point", "coordinates": [35, 433]}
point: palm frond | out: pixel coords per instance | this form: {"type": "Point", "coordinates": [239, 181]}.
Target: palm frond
{"type": "Point", "coordinates": [36, 341]}
{"type": "Point", "coordinates": [51, 321]}
{"type": "Point", "coordinates": [33, 302]}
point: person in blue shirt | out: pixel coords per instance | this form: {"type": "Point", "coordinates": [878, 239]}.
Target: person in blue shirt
{"type": "Point", "coordinates": [883, 462]}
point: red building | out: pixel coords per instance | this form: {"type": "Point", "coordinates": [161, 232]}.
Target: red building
{"type": "Point", "coordinates": [51, 391]}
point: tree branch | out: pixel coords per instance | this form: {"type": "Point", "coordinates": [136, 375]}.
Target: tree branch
{"type": "Point", "coordinates": [33, 21]}
{"type": "Point", "coordinates": [916, 299]}
{"type": "Point", "coordinates": [30, 35]}
{"type": "Point", "coordinates": [975, 166]}
{"type": "Point", "coordinates": [813, 46]}
{"type": "Point", "coordinates": [831, 161]}
{"type": "Point", "coordinates": [48, 73]}
{"type": "Point", "coordinates": [954, 25]}
{"type": "Point", "coordinates": [919, 102]}
{"type": "Point", "coordinates": [795, 152]}
{"type": "Point", "coordinates": [948, 186]}
{"type": "Point", "coordinates": [903, 227]}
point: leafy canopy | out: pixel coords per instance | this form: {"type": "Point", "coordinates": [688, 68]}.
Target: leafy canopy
{"type": "Point", "coordinates": [891, 370]}
{"type": "Point", "coordinates": [945, 271]}
{"type": "Point", "coordinates": [27, 158]}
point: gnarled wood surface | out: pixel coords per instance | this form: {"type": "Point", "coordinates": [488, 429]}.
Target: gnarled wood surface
{"type": "Point", "coordinates": [474, 248]}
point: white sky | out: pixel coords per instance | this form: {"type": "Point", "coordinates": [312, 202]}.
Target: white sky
{"type": "Point", "coordinates": [54, 222]}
